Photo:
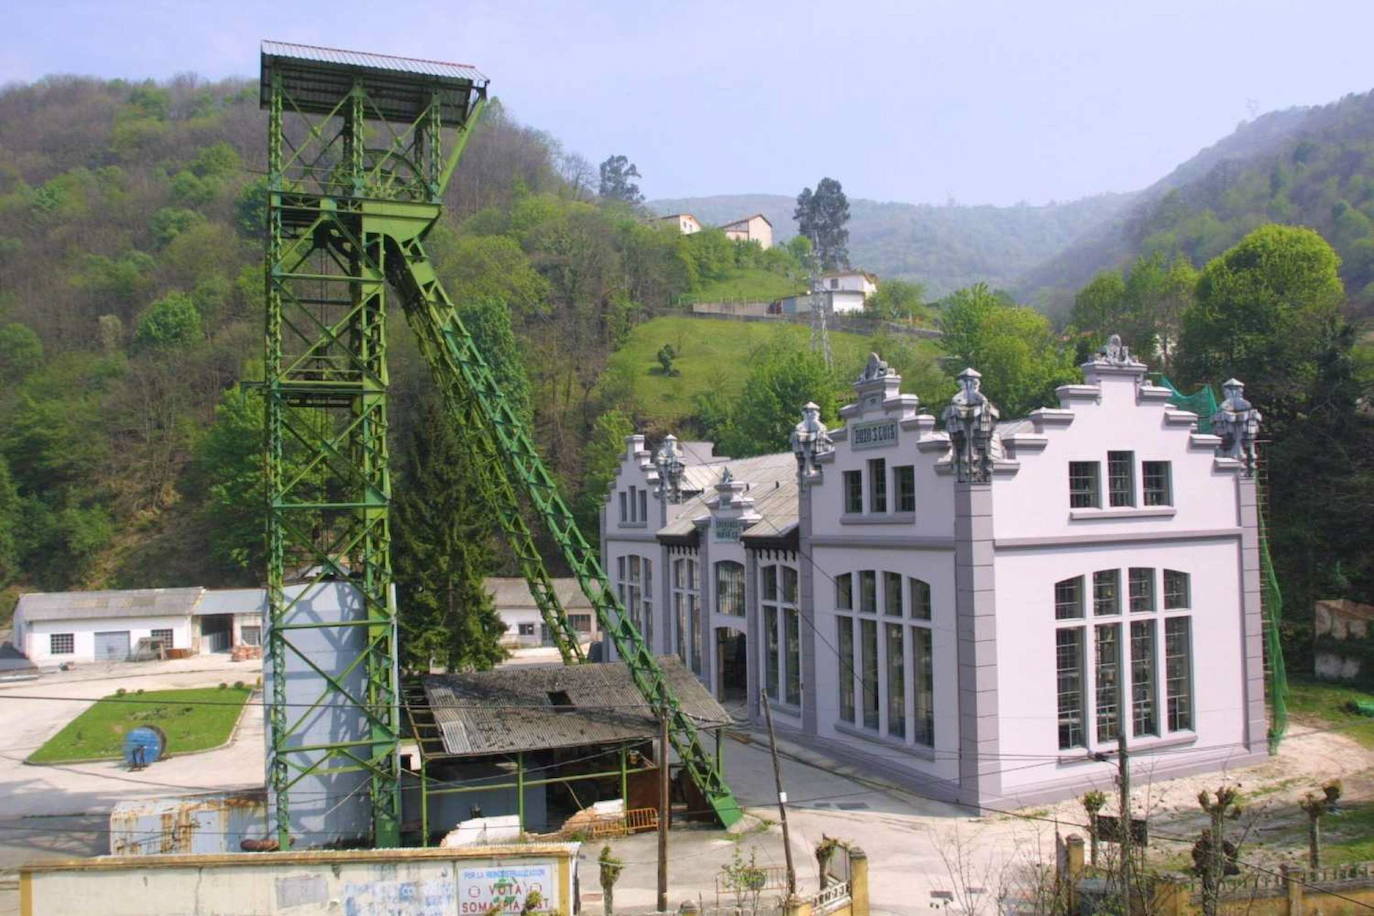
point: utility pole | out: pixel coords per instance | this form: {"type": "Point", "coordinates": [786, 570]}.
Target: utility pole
{"type": "Point", "coordinates": [664, 810]}
{"type": "Point", "coordinates": [782, 796]}
{"type": "Point", "coordinates": [1123, 764]}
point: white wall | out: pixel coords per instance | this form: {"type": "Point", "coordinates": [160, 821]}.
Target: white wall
{"type": "Point", "coordinates": [34, 641]}
{"type": "Point", "coordinates": [513, 618]}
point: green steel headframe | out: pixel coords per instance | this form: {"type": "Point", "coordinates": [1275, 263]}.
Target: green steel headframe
{"type": "Point", "coordinates": [356, 173]}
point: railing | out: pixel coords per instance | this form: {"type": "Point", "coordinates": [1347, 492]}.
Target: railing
{"type": "Point", "coordinates": [773, 877]}
{"type": "Point", "coordinates": [1359, 872]}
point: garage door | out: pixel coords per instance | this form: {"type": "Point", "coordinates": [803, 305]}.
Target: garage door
{"type": "Point", "coordinates": [112, 647]}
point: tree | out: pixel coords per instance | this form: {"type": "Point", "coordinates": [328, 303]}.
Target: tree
{"type": "Point", "coordinates": [1214, 857]}
{"type": "Point", "coordinates": [601, 461]}
{"type": "Point", "coordinates": [666, 355]}
{"type": "Point", "coordinates": [616, 173]}
{"type": "Point", "coordinates": [1264, 311]}
{"type": "Point", "coordinates": [1317, 807]}
{"type": "Point", "coordinates": [821, 216]}
{"type": "Point", "coordinates": [897, 300]}
{"type": "Point", "coordinates": [169, 323]}
{"type": "Point", "coordinates": [783, 377]}
{"type": "Point", "coordinates": [21, 351]}
{"type": "Point", "coordinates": [443, 550]}
{"type": "Point", "coordinates": [1014, 348]}
{"type": "Point", "coordinates": [9, 525]}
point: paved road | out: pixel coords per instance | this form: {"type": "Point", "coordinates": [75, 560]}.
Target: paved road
{"type": "Point", "coordinates": [94, 788]}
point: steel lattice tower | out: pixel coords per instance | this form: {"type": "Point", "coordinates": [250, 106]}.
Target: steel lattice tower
{"type": "Point", "coordinates": [356, 174]}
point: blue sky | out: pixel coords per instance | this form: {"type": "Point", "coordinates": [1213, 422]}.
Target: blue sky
{"type": "Point", "coordinates": [981, 101]}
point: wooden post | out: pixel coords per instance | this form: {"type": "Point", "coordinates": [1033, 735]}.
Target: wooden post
{"type": "Point", "coordinates": [520, 788]}
{"type": "Point", "coordinates": [1292, 880]}
{"type": "Point", "coordinates": [664, 810]}
{"type": "Point", "coordinates": [1073, 869]}
{"type": "Point", "coordinates": [624, 782]}
{"type": "Point", "coordinates": [424, 798]}
{"type": "Point", "coordinates": [1123, 764]}
{"type": "Point", "coordinates": [782, 796]}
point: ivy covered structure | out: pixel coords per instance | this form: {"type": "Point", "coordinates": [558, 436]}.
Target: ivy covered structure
{"type": "Point", "coordinates": [974, 606]}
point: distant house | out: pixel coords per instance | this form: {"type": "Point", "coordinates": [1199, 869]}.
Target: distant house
{"type": "Point", "coordinates": [524, 625]}
{"type": "Point", "coordinates": [850, 281]}
{"type": "Point", "coordinates": [842, 301]}
{"type": "Point", "coordinates": [754, 228]}
{"type": "Point", "coordinates": [685, 223]}
{"type": "Point", "coordinates": [56, 627]}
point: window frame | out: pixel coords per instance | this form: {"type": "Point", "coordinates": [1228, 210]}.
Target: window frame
{"type": "Point", "coordinates": [731, 590]}
{"type": "Point", "coordinates": [877, 486]}
{"type": "Point", "coordinates": [1121, 480]}
{"type": "Point", "coordinates": [853, 492]}
{"type": "Point", "coordinates": [1085, 490]}
{"type": "Point", "coordinates": [53, 643]}
{"type": "Point", "coordinates": [904, 485]}
{"type": "Point", "coordinates": [1161, 492]}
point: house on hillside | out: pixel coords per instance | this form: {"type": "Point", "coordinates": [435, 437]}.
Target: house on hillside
{"type": "Point", "coordinates": [684, 223]}
{"type": "Point", "coordinates": [974, 606]}
{"type": "Point", "coordinates": [756, 228]}
{"type": "Point", "coordinates": [525, 625]}
{"type": "Point", "coordinates": [860, 281]}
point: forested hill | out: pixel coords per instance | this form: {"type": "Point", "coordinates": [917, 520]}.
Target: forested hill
{"type": "Point", "coordinates": [942, 247]}
{"type": "Point", "coordinates": [1306, 166]}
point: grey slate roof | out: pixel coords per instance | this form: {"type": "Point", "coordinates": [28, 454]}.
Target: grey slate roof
{"type": "Point", "coordinates": [476, 717]}
{"type": "Point", "coordinates": [514, 594]}
{"type": "Point", "coordinates": [143, 602]}
{"type": "Point", "coordinates": [772, 481]}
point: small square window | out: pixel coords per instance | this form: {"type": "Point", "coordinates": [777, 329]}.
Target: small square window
{"type": "Point", "coordinates": [892, 594]}
{"type": "Point", "coordinates": [251, 635]}
{"type": "Point", "coordinates": [61, 643]}
{"type": "Point", "coordinates": [1085, 490]}
{"type": "Point", "coordinates": [1121, 478]}
{"type": "Point", "coordinates": [1176, 588]}
{"type": "Point", "coordinates": [1068, 599]}
{"type": "Point", "coordinates": [1142, 586]}
{"type": "Point", "coordinates": [844, 592]}
{"type": "Point", "coordinates": [526, 629]}
{"type": "Point", "coordinates": [853, 492]}
{"type": "Point", "coordinates": [581, 623]}
{"type": "Point", "coordinates": [1107, 591]}
{"type": "Point", "coordinates": [877, 485]}
{"type": "Point", "coordinates": [1159, 489]}
{"type": "Point", "coordinates": [163, 636]}
{"type": "Point", "coordinates": [920, 599]}
{"type": "Point", "coordinates": [904, 479]}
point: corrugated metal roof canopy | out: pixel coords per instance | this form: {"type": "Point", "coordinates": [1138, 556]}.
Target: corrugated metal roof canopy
{"type": "Point", "coordinates": [513, 709]}
{"type": "Point", "coordinates": [143, 602]}
{"type": "Point", "coordinates": [398, 88]}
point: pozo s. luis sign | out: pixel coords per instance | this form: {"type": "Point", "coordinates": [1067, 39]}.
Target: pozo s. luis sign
{"type": "Point", "coordinates": [873, 434]}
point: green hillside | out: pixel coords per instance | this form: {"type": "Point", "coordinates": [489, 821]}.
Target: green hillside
{"type": "Point", "coordinates": [716, 355]}
{"type": "Point", "coordinates": [1304, 166]}
{"type": "Point", "coordinates": [942, 247]}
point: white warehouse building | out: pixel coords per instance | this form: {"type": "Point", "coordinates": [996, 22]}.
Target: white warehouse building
{"type": "Point", "coordinates": [974, 607]}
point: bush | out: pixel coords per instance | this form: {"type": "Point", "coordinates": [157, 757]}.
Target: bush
{"type": "Point", "coordinates": [120, 692]}
{"type": "Point", "coordinates": [169, 323]}
{"type": "Point", "coordinates": [223, 686]}
{"type": "Point", "coordinates": [238, 685]}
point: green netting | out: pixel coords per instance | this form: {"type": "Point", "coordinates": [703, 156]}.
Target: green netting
{"type": "Point", "coordinates": [1201, 402]}
{"type": "Point", "coordinates": [1273, 613]}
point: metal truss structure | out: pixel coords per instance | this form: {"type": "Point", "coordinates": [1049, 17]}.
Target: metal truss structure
{"type": "Point", "coordinates": [357, 167]}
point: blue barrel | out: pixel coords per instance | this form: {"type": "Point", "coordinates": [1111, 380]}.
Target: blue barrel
{"type": "Point", "coordinates": [144, 745]}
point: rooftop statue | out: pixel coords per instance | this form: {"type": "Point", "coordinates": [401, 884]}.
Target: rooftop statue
{"type": "Point", "coordinates": [810, 438]}
{"type": "Point", "coordinates": [1237, 423]}
{"type": "Point", "coordinates": [970, 419]}
{"type": "Point", "coordinates": [875, 369]}
{"type": "Point", "coordinates": [1116, 353]}
{"type": "Point", "coordinates": [669, 465]}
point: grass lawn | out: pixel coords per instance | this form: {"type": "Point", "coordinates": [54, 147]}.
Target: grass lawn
{"type": "Point", "coordinates": [714, 355]}
{"type": "Point", "coordinates": [748, 285]}
{"type": "Point", "coordinates": [1322, 705]}
{"type": "Point", "coordinates": [98, 733]}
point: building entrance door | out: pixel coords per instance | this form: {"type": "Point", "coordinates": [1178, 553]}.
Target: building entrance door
{"type": "Point", "coordinates": [732, 666]}
{"type": "Point", "coordinates": [112, 646]}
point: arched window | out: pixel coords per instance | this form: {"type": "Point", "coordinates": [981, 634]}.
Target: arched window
{"type": "Point", "coordinates": [687, 611]}
{"type": "Point", "coordinates": [781, 633]}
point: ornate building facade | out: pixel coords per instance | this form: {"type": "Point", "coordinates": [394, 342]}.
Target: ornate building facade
{"type": "Point", "coordinates": [975, 607]}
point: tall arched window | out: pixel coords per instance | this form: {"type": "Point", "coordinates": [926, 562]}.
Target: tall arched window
{"type": "Point", "coordinates": [730, 588]}
{"type": "Point", "coordinates": [687, 611]}
{"type": "Point", "coordinates": [781, 633]}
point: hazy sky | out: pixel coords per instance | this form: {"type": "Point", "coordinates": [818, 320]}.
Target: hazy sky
{"type": "Point", "coordinates": [980, 101]}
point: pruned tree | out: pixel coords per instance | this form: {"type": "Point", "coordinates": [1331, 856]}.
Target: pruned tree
{"type": "Point", "coordinates": [1214, 857]}
{"type": "Point", "coordinates": [822, 216]}
{"type": "Point", "coordinates": [1093, 802]}
{"type": "Point", "coordinates": [1317, 807]}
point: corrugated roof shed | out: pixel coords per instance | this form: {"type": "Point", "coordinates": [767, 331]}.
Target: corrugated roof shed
{"type": "Point", "coordinates": [142, 602]}
{"type": "Point", "coordinates": [367, 59]}
{"type": "Point", "coordinates": [514, 594]}
{"type": "Point", "coordinates": [512, 709]}
{"type": "Point", "coordinates": [233, 601]}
